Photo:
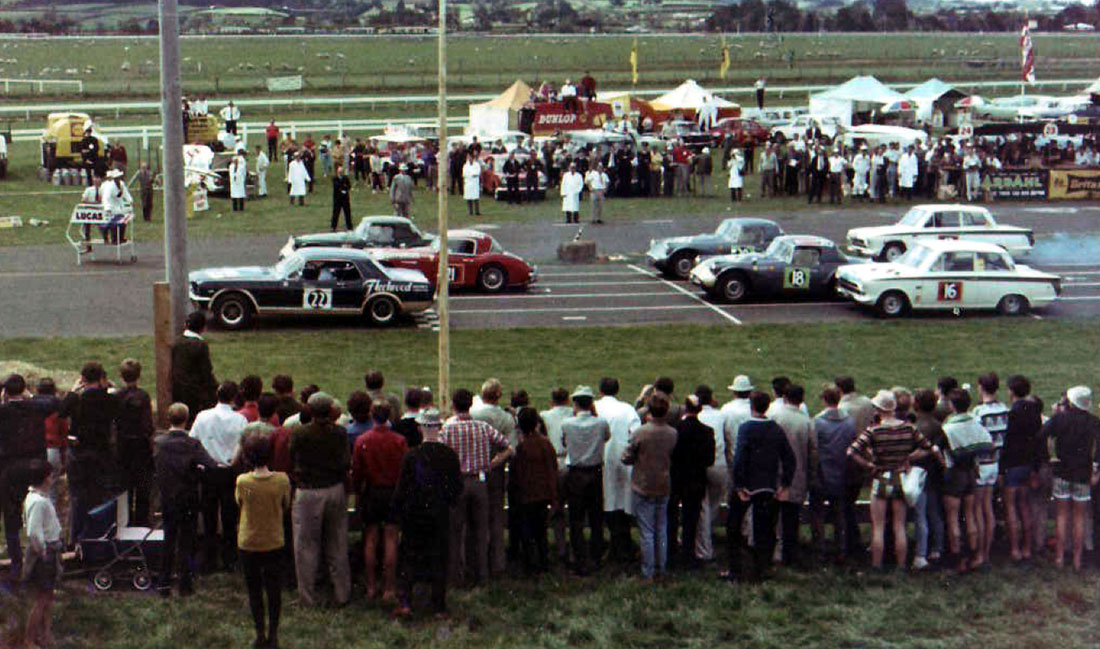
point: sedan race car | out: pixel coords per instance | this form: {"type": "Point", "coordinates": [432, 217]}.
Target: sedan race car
{"type": "Point", "coordinates": [924, 222]}
{"type": "Point", "coordinates": [474, 260]}
{"type": "Point", "coordinates": [313, 281]}
{"type": "Point", "coordinates": [676, 256]}
{"type": "Point", "coordinates": [949, 275]}
{"type": "Point", "coordinates": [372, 232]}
{"type": "Point", "coordinates": [792, 266]}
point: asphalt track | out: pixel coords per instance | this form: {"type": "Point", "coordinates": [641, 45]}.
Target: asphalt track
{"type": "Point", "coordinates": [46, 294]}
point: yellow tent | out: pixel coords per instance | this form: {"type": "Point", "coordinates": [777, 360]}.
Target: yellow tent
{"type": "Point", "coordinates": [501, 113]}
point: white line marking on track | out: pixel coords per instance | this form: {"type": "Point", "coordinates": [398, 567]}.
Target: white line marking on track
{"type": "Point", "coordinates": [559, 284]}
{"type": "Point", "coordinates": [595, 273]}
{"type": "Point", "coordinates": [658, 221]}
{"type": "Point", "coordinates": [691, 295]}
{"type": "Point", "coordinates": [555, 296]}
{"type": "Point", "coordinates": [61, 273]}
{"type": "Point", "coordinates": [1068, 284]}
{"type": "Point", "coordinates": [676, 307]}
{"type": "Point", "coordinates": [1081, 264]}
{"type": "Point", "coordinates": [1081, 298]}
{"type": "Point", "coordinates": [574, 317]}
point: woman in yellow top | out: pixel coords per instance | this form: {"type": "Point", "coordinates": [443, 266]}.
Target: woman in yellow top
{"type": "Point", "coordinates": [264, 498]}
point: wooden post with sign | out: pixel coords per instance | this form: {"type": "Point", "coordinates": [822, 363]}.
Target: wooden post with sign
{"type": "Point", "coordinates": [162, 348]}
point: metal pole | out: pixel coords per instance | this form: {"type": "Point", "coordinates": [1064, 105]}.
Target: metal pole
{"type": "Point", "coordinates": [443, 280]}
{"type": "Point", "coordinates": [175, 212]}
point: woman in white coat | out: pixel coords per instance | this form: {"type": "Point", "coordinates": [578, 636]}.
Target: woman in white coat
{"type": "Point", "coordinates": [736, 166]}
{"type": "Point", "coordinates": [238, 176]}
{"type": "Point", "coordinates": [471, 185]}
{"type": "Point", "coordinates": [299, 179]}
{"type": "Point", "coordinates": [572, 184]}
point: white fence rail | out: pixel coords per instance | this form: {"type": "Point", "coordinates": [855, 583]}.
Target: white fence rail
{"type": "Point", "coordinates": [41, 84]}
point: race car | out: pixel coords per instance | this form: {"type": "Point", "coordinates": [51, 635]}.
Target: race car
{"type": "Point", "coordinates": [676, 256]}
{"type": "Point", "coordinates": [474, 260]}
{"type": "Point", "coordinates": [924, 222]}
{"type": "Point", "coordinates": [948, 275]}
{"type": "Point", "coordinates": [372, 232]}
{"type": "Point", "coordinates": [312, 281]}
{"type": "Point", "coordinates": [740, 131]}
{"type": "Point", "coordinates": [792, 266]}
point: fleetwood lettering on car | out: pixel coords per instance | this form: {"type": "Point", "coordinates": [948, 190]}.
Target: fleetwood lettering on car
{"type": "Point", "coordinates": [474, 260]}
{"type": "Point", "coordinates": [949, 275]}
{"type": "Point", "coordinates": [931, 222]}
{"type": "Point", "coordinates": [793, 266]}
{"type": "Point", "coordinates": [311, 281]}
{"type": "Point", "coordinates": [676, 256]}
{"type": "Point", "coordinates": [372, 232]}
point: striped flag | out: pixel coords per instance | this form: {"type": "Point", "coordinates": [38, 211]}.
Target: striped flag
{"type": "Point", "coordinates": [1027, 55]}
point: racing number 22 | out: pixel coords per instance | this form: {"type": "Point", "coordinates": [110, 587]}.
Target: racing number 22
{"type": "Point", "coordinates": [950, 292]}
{"type": "Point", "coordinates": [317, 299]}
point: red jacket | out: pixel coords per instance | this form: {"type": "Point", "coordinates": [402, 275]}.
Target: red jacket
{"type": "Point", "coordinates": [280, 451]}
{"type": "Point", "coordinates": [272, 132]}
{"type": "Point", "coordinates": [376, 458]}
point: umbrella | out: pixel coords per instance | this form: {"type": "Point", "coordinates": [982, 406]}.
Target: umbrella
{"type": "Point", "coordinates": [973, 101]}
{"type": "Point", "coordinates": [898, 106]}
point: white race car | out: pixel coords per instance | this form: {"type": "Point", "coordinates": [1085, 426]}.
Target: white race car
{"type": "Point", "coordinates": [948, 275]}
{"type": "Point", "coordinates": [931, 222]}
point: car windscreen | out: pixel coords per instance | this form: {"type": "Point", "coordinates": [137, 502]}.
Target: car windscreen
{"type": "Point", "coordinates": [780, 250]}
{"type": "Point", "coordinates": [915, 217]}
{"type": "Point", "coordinates": [914, 257]}
{"type": "Point", "coordinates": [728, 230]}
{"type": "Point", "coordinates": [289, 267]}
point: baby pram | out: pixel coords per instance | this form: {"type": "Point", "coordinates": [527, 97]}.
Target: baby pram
{"type": "Point", "coordinates": [115, 548]}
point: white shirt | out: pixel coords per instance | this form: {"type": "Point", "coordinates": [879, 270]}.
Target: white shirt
{"type": "Point", "coordinates": [90, 195]}
{"type": "Point", "coordinates": [553, 419]}
{"type": "Point", "coordinates": [596, 180]}
{"type": "Point", "coordinates": [40, 520]}
{"type": "Point", "coordinates": [115, 196]}
{"type": "Point", "coordinates": [779, 403]}
{"type": "Point", "coordinates": [219, 429]}
{"type": "Point", "coordinates": [262, 163]}
{"type": "Point", "coordinates": [714, 418]}
{"type": "Point", "coordinates": [3, 147]}
{"type": "Point", "coordinates": [230, 113]}
{"type": "Point", "coordinates": [837, 164]}
{"type": "Point", "coordinates": [568, 90]}
{"type": "Point", "coordinates": [736, 412]}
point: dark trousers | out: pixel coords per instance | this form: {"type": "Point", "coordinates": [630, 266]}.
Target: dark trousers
{"type": "Point", "coordinates": [622, 546]}
{"type": "Point", "coordinates": [272, 149]}
{"type": "Point", "coordinates": [219, 503]}
{"type": "Point", "coordinates": [763, 531]}
{"type": "Point", "coordinates": [147, 206]}
{"type": "Point", "coordinates": [836, 507]}
{"type": "Point", "coordinates": [136, 460]}
{"type": "Point", "coordinates": [513, 190]}
{"type": "Point", "coordinates": [469, 523]}
{"type": "Point", "coordinates": [817, 186]}
{"type": "Point", "coordinates": [834, 188]}
{"type": "Point", "coordinates": [12, 491]}
{"type": "Point", "coordinates": [534, 546]}
{"type": "Point", "coordinates": [263, 573]}
{"type": "Point", "coordinates": [231, 126]}
{"type": "Point", "coordinates": [238, 204]}
{"type": "Point", "coordinates": [180, 523]}
{"type": "Point", "coordinates": [337, 207]}
{"type": "Point", "coordinates": [689, 499]}
{"type": "Point", "coordinates": [423, 557]}
{"type": "Point", "coordinates": [584, 493]}
{"type": "Point", "coordinates": [851, 495]}
{"type": "Point", "coordinates": [645, 177]}
{"type": "Point", "coordinates": [788, 519]}
{"type": "Point", "coordinates": [760, 98]}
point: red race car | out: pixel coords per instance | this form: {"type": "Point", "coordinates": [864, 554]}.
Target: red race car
{"type": "Point", "coordinates": [475, 260]}
{"type": "Point", "coordinates": [742, 131]}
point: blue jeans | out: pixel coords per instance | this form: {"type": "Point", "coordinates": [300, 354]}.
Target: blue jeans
{"type": "Point", "coordinates": [929, 517]}
{"type": "Point", "coordinates": [652, 515]}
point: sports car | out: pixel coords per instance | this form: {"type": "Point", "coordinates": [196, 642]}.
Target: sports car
{"type": "Point", "coordinates": [792, 266]}
{"type": "Point", "coordinates": [931, 222]}
{"type": "Point", "coordinates": [474, 260]}
{"type": "Point", "coordinates": [372, 232]}
{"type": "Point", "coordinates": [676, 256]}
{"type": "Point", "coordinates": [949, 275]}
{"type": "Point", "coordinates": [312, 281]}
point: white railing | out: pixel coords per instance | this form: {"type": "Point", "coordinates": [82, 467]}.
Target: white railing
{"type": "Point", "coordinates": [42, 83]}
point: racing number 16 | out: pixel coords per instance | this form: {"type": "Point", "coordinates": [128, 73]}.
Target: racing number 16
{"type": "Point", "coordinates": [950, 292]}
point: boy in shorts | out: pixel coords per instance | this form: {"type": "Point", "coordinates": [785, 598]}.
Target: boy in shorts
{"type": "Point", "coordinates": [1074, 431]}
{"type": "Point", "coordinates": [966, 441]}
{"type": "Point", "coordinates": [993, 416]}
{"type": "Point", "coordinates": [42, 565]}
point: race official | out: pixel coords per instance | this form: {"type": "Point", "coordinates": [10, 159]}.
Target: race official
{"type": "Point", "coordinates": [230, 114]}
{"type": "Point", "coordinates": [341, 197]}
{"type": "Point", "coordinates": [572, 184]}
{"type": "Point", "coordinates": [262, 164]}
{"type": "Point", "coordinates": [89, 154]}
{"type": "Point", "coordinates": [511, 171]}
{"type": "Point", "coordinates": [596, 180]}
{"type": "Point", "coordinates": [238, 179]}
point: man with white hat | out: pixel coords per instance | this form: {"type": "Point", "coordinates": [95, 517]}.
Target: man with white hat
{"type": "Point", "coordinates": [737, 411]}
{"type": "Point", "coordinates": [116, 198]}
{"type": "Point", "coordinates": [1075, 432]}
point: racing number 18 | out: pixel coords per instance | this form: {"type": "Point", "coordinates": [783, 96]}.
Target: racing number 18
{"type": "Point", "coordinates": [950, 292]}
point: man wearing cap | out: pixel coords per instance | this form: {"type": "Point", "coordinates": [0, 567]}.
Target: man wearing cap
{"type": "Point", "coordinates": [320, 456]}
{"type": "Point", "coordinates": [511, 169]}
{"type": "Point", "coordinates": [116, 199]}
{"type": "Point", "coordinates": [908, 170]}
{"type": "Point", "coordinates": [736, 412]}
{"type": "Point", "coordinates": [401, 191]}
{"type": "Point", "coordinates": [89, 152]}
{"type": "Point", "coordinates": [584, 436]}
{"type": "Point", "coordinates": [1075, 432]}
{"type": "Point", "coordinates": [622, 420]}
{"type": "Point", "coordinates": [481, 449]}
{"type": "Point", "coordinates": [704, 167]}
{"type": "Point", "coordinates": [430, 483]}
{"type": "Point", "coordinates": [861, 167]}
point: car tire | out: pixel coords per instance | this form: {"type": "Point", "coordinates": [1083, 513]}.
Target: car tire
{"type": "Point", "coordinates": [892, 251]}
{"type": "Point", "coordinates": [679, 267]}
{"type": "Point", "coordinates": [892, 304]}
{"type": "Point", "coordinates": [732, 287]}
{"type": "Point", "coordinates": [381, 310]}
{"type": "Point", "coordinates": [233, 311]}
{"type": "Point", "coordinates": [1013, 304]}
{"type": "Point", "coordinates": [492, 279]}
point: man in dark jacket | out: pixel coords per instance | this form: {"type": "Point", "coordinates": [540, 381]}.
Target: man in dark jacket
{"type": "Point", "coordinates": [1020, 459]}
{"type": "Point", "coordinates": [1074, 431]}
{"type": "Point", "coordinates": [763, 469]}
{"type": "Point", "coordinates": [93, 475]}
{"type": "Point", "coordinates": [693, 453]}
{"type": "Point", "coordinates": [341, 197]}
{"type": "Point", "coordinates": [134, 430]}
{"type": "Point", "coordinates": [835, 432]}
{"type": "Point", "coordinates": [179, 458]}
{"type": "Point", "coordinates": [511, 171]}
{"type": "Point", "coordinates": [193, 382]}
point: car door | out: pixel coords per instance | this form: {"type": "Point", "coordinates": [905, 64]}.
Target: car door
{"type": "Point", "coordinates": [462, 261]}
{"type": "Point", "coordinates": [997, 278]}
{"type": "Point", "coordinates": [942, 225]}
{"type": "Point", "coordinates": [337, 285]}
{"type": "Point", "coordinates": [950, 283]}
{"type": "Point", "coordinates": [803, 273]}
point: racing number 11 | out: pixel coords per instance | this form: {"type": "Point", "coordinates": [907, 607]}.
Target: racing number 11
{"type": "Point", "coordinates": [950, 292]}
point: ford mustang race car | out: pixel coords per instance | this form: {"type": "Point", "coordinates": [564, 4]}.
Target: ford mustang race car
{"type": "Point", "coordinates": [792, 266]}
{"type": "Point", "coordinates": [372, 232]}
{"type": "Point", "coordinates": [924, 222]}
{"type": "Point", "coordinates": [949, 275]}
{"type": "Point", "coordinates": [312, 281]}
{"type": "Point", "coordinates": [675, 256]}
{"type": "Point", "coordinates": [474, 260]}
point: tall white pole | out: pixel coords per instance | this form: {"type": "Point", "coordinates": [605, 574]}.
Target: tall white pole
{"type": "Point", "coordinates": [175, 209]}
{"type": "Point", "coordinates": [443, 280]}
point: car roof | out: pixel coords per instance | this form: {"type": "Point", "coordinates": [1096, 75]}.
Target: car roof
{"type": "Point", "coordinates": [940, 207]}
{"type": "Point", "coordinates": [956, 245]}
{"type": "Point", "coordinates": [385, 218]}
{"type": "Point", "coordinates": [323, 252]}
{"type": "Point", "coordinates": [806, 240]}
{"type": "Point", "coordinates": [751, 220]}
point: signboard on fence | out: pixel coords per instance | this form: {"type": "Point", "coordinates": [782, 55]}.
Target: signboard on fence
{"type": "Point", "coordinates": [282, 84]}
{"type": "Point", "coordinates": [1016, 184]}
{"type": "Point", "coordinates": [1074, 184]}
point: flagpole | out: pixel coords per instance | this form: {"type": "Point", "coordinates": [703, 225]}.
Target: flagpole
{"type": "Point", "coordinates": [444, 276]}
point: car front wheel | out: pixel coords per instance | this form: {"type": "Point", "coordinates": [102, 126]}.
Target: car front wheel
{"type": "Point", "coordinates": [492, 279]}
{"type": "Point", "coordinates": [733, 287]}
{"type": "Point", "coordinates": [382, 310]}
{"type": "Point", "coordinates": [892, 251]}
{"type": "Point", "coordinates": [892, 304]}
{"type": "Point", "coordinates": [681, 264]}
{"type": "Point", "coordinates": [233, 311]}
{"type": "Point", "coordinates": [1013, 305]}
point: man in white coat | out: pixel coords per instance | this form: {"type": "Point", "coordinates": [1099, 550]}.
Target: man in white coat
{"type": "Point", "coordinates": [572, 184]}
{"type": "Point", "coordinates": [736, 166]}
{"type": "Point", "coordinates": [116, 203]}
{"type": "Point", "coordinates": [908, 168]}
{"type": "Point", "coordinates": [717, 474]}
{"type": "Point", "coordinates": [861, 166]}
{"type": "Point", "coordinates": [298, 177]}
{"type": "Point", "coordinates": [238, 178]}
{"type": "Point", "coordinates": [471, 185]}
{"type": "Point", "coordinates": [262, 163]}
{"type": "Point", "coordinates": [623, 421]}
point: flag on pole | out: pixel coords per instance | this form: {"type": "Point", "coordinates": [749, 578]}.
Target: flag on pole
{"type": "Point", "coordinates": [634, 61]}
{"type": "Point", "coordinates": [724, 66]}
{"type": "Point", "coordinates": [1027, 55]}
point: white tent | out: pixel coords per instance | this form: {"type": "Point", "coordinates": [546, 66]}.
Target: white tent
{"type": "Point", "coordinates": [689, 96]}
{"type": "Point", "coordinates": [857, 95]}
{"type": "Point", "coordinates": [935, 101]}
{"type": "Point", "coordinates": [500, 114]}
